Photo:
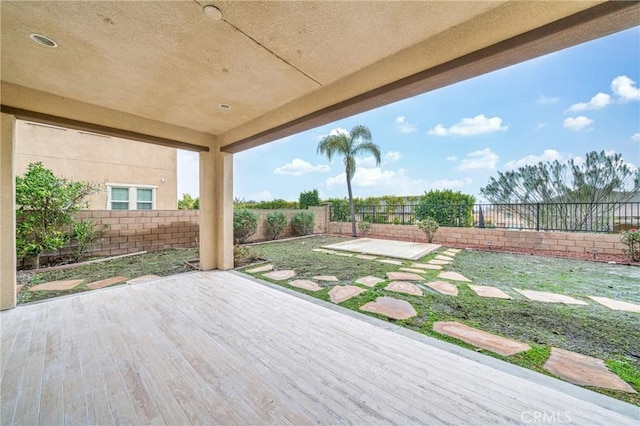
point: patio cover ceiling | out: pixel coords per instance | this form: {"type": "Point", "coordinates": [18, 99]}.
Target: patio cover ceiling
{"type": "Point", "coordinates": [157, 71]}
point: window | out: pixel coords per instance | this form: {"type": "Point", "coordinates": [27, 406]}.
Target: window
{"type": "Point", "coordinates": [130, 197]}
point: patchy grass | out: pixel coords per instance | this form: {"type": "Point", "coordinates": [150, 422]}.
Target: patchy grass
{"type": "Point", "coordinates": [594, 330]}
{"type": "Point", "coordinates": [162, 263]}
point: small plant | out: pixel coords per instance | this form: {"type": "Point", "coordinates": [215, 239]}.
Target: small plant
{"type": "Point", "coordinates": [243, 255]}
{"type": "Point", "coordinates": [429, 226]}
{"type": "Point", "coordinates": [631, 239]}
{"type": "Point", "coordinates": [364, 227]}
{"type": "Point", "coordinates": [83, 236]}
{"type": "Point", "coordinates": [276, 222]}
{"type": "Point", "coordinates": [303, 223]}
{"type": "Point", "coordinates": [245, 224]}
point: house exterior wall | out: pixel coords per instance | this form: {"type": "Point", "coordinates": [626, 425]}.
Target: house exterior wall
{"type": "Point", "coordinates": [82, 156]}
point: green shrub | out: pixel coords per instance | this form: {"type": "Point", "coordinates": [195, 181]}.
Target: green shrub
{"type": "Point", "coordinates": [448, 208]}
{"type": "Point", "coordinates": [339, 210]}
{"type": "Point", "coordinates": [245, 224]}
{"type": "Point", "coordinates": [243, 255]}
{"type": "Point", "coordinates": [267, 205]}
{"type": "Point", "coordinates": [631, 239]}
{"type": "Point", "coordinates": [364, 227]}
{"type": "Point", "coordinates": [83, 236]}
{"type": "Point", "coordinates": [429, 226]}
{"type": "Point", "coordinates": [303, 223]}
{"type": "Point", "coordinates": [309, 198]}
{"type": "Point", "coordinates": [276, 222]}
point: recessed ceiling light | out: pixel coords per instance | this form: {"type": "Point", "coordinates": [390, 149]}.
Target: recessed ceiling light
{"type": "Point", "coordinates": [224, 106]}
{"type": "Point", "coordinates": [43, 40]}
{"type": "Point", "coordinates": [212, 12]}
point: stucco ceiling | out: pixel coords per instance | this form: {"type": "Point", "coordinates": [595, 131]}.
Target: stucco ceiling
{"type": "Point", "coordinates": [130, 64]}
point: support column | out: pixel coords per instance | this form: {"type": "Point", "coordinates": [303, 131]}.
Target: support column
{"type": "Point", "coordinates": [216, 210]}
{"type": "Point", "coordinates": [7, 213]}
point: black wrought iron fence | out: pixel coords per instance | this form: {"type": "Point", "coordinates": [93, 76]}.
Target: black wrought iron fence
{"type": "Point", "coordinates": [575, 217]}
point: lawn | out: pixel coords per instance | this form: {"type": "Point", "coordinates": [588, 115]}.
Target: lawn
{"type": "Point", "coordinates": [594, 330]}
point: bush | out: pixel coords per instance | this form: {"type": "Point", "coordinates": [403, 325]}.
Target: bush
{"type": "Point", "coordinates": [303, 223]}
{"type": "Point", "coordinates": [243, 255]}
{"type": "Point", "coordinates": [276, 222]}
{"type": "Point", "coordinates": [448, 208]}
{"type": "Point", "coordinates": [83, 236]}
{"type": "Point", "coordinates": [631, 239]}
{"type": "Point", "coordinates": [245, 224]}
{"type": "Point", "coordinates": [267, 205]}
{"type": "Point", "coordinates": [364, 227]}
{"type": "Point", "coordinates": [309, 198]}
{"type": "Point", "coordinates": [429, 226]}
{"type": "Point", "coordinates": [339, 210]}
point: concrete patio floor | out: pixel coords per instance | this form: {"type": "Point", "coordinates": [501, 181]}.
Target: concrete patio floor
{"type": "Point", "coordinates": [396, 249]}
{"type": "Point", "coordinates": [217, 347]}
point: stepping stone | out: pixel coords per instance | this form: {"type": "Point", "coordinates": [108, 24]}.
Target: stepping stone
{"type": "Point", "coordinates": [453, 250]}
{"type": "Point", "coordinates": [390, 307]}
{"type": "Point", "coordinates": [488, 291]}
{"type": "Point", "coordinates": [330, 278]}
{"type": "Point", "coordinates": [404, 276]}
{"type": "Point", "coordinates": [444, 288]}
{"type": "Point", "coordinates": [584, 370]}
{"type": "Point", "coordinates": [280, 275]}
{"type": "Point", "coordinates": [56, 285]}
{"type": "Point", "coordinates": [321, 250]}
{"type": "Point", "coordinates": [369, 281]}
{"type": "Point", "coordinates": [342, 254]}
{"type": "Point", "coordinates": [446, 258]}
{"type": "Point", "coordinates": [19, 288]}
{"type": "Point", "coordinates": [425, 266]}
{"type": "Point", "coordinates": [340, 293]}
{"type": "Point", "coordinates": [263, 268]}
{"type": "Point", "coordinates": [404, 287]}
{"type": "Point", "coordinates": [143, 279]}
{"type": "Point", "coordinates": [480, 339]}
{"type": "Point", "coordinates": [616, 305]}
{"type": "Point", "coordinates": [545, 296]}
{"type": "Point", "coordinates": [106, 283]}
{"type": "Point", "coordinates": [449, 253]}
{"type": "Point", "coordinates": [438, 262]}
{"type": "Point", "coordinates": [366, 257]}
{"type": "Point", "coordinates": [453, 276]}
{"type": "Point", "coordinates": [305, 284]}
{"type": "Point", "coordinates": [390, 262]}
{"type": "Point", "coordinates": [414, 270]}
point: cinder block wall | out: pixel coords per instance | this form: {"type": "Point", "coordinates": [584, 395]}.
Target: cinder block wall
{"type": "Point", "coordinates": [533, 240]}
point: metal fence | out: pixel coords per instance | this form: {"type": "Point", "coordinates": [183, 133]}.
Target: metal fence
{"type": "Point", "coordinates": [572, 217]}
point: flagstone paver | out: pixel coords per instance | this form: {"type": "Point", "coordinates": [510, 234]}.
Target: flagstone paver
{"type": "Point", "coordinates": [438, 262]}
{"type": "Point", "coordinates": [305, 284]}
{"type": "Point", "coordinates": [425, 266]}
{"type": "Point", "coordinates": [454, 276]}
{"type": "Point", "coordinates": [548, 297]}
{"type": "Point", "coordinates": [369, 281]}
{"type": "Point", "coordinates": [143, 279]}
{"type": "Point", "coordinates": [488, 291]}
{"type": "Point", "coordinates": [441, 257]}
{"type": "Point", "coordinates": [454, 250]}
{"type": "Point", "coordinates": [481, 339]}
{"type": "Point", "coordinates": [390, 307]}
{"type": "Point", "coordinates": [337, 253]}
{"type": "Point", "coordinates": [584, 370]}
{"type": "Point", "coordinates": [280, 275]}
{"type": "Point", "coordinates": [329, 278]}
{"type": "Point", "coordinates": [404, 287]}
{"type": "Point", "coordinates": [404, 276]}
{"type": "Point", "coordinates": [366, 257]}
{"type": "Point", "coordinates": [340, 293]}
{"type": "Point", "coordinates": [19, 288]}
{"type": "Point", "coordinates": [443, 287]}
{"type": "Point", "coordinates": [56, 285]}
{"type": "Point", "coordinates": [321, 250]}
{"type": "Point", "coordinates": [617, 305]}
{"type": "Point", "coordinates": [106, 283]}
{"type": "Point", "coordinates": [449, 253]}
{"type": "Point", "coordinates": [414, 270]}
{"type": "Point", "coordinates": [390, 261]}
{"type": "Point", "coordinates": [263, 268]}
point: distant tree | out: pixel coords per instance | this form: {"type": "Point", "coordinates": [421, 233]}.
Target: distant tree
{"type": "Point", "coordinates": [189, 203]}
{"type": "Point", "coordinates": [350, 145]}
{"type": "Point", "coordinates": [446, 207]}
{"type": "Point", "coordinates": [309, 198]}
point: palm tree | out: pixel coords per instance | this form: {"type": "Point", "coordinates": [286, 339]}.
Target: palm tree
{"type": "Point", "coordinates": [357, 142]}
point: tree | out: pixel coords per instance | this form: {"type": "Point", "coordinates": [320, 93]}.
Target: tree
{"type": "Point", "coordinates": [446, 207]}
{"type": "Point", "coordinates": [45, 206]}
{"type": "Point", "coordinates": [189, 203]}
{"type": "Point", "coordinates": [597, 183]}
{"type": "Point", "coordinates": [350, 145]}
{"type": "Point", "coordinates": [309, 198]}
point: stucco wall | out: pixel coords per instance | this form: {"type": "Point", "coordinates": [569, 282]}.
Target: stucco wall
{"type": "Point", "coordinates": [81, 156]}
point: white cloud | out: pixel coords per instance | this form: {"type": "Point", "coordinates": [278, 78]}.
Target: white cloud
{"type": "Point", "coordinates": [625, 89]}
{"type": "Point", "coordinates": [471, 126]}
{"type": "Point", "coordinates": [260, 196]}
{"type": "Point", "coordinates": [599, 101]}
{"type": "Point", "coordinates": [299, 167]}
{"type": "Point", "coordinates": [635, 137]}
{"type": "Point", "coordinates": [365, 161]}
{"type": "Point", "coordinates": [403, 126]}
{"type": "Point", "coordinates": [543, 100]}
{"type": "Point", "coordinates": [452, 158]}
{"type": "Point", "coordinates": [392, 156]}
{"type": "Point", "coordinates": [547, 155]}
{"type": "Point", "coordinates": [540, 126]}
{"type": "Point", "coordinates": [484, 159]}
{"type": "Point", "coordinates": [450, 183]}
{"type": "Point", "coordinates": [333, 132]}
{"type": "Point", "coordinates": [390, 181]}
{"type": "Point", "coordinates": [577, 123]}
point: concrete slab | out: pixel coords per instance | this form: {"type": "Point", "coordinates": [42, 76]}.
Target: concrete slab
{"type": "Point", "coordinates": [56, 285]}
{"type": "Point", "coordinates": [445, 258]}
{"type": "Point", "coordinates": [329, 278]}
{"type": "Point", "coordinates": [414, 270]}
{"type": "Point", "coordinates": [143, 279]}
{"type": "Point", "coordinates": [263, 268]}
{"type": "Point", "coordinates": [305, 284]}
{"type": "Point", "coordinates": [369, 281]}
{"type": "Point", "coordinates": [280, 275]}
{"type": "Point", "coordinates": [453, 276]}
{"type": "Point", "coordinates": [480, 339]}
{"type": "Point", "coordinates": [438, 262]}
{"type": "Point", "coordinates": [340, 293]}
{"type": "Point", "coordinates": [366, 257]}
{"type": "Point", "coordinates": [106, 283]}
{"type": "Point", "coordinates": [397, 249]}
{"type": "Point", "coordinates": [584, 370]}
{"type": "Point", "coordinates": [390, 261]}
{"type": "Point", "coordinates": [404, 287]}
{"type": "Point", "coordinates": [390, 307]}
{"type": "Point", "coordinates": [488, 291]}
{"type": "Point", "coordinates": [404, 276]}
{"type": "Point", "coordinates": [443, 288]}
{"type": "Point", "coordinates": [426, 266]}
{"type": "Point", "coordinates": [617, 305]}
{"type": "Point", "coordinates": [548, 297]}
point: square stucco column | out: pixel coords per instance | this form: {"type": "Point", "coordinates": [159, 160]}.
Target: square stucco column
{"type": "Point", "coordinates": [7, 214]}
{"type": "Point", "coordinates": [216, 210]}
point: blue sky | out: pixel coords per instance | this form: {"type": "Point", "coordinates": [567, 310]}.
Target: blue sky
{"type": "Point", "coordinates": [558, 106]}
